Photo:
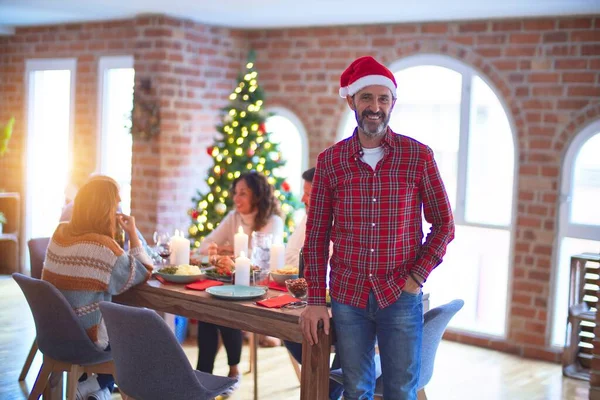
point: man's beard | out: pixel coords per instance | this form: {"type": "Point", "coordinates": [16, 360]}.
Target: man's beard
{"type": "Point", "coordinates": [367, 126]}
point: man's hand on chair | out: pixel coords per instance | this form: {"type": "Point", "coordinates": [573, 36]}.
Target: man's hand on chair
{"type": "Point", "coordinates": [309, 321]}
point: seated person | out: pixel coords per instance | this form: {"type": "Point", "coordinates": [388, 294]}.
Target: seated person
{"type": "Point", "coordinates": [87, 266]}
{"type": "Point", "coordinates": [292, 251]}
{"type": "Point", "coordinates": [67, 213]}
{"type": "Point", "coordinates": [256, 210]}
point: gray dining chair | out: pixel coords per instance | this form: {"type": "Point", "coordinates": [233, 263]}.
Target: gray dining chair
{"type": "Point", "coordinates": [37, 255]}
{"type": "Point", "coordinates": [62, 341]}
{"type": "Point", "coordinates": [435, 322]}
{"type": "Point", "coordinates": [150, 364]}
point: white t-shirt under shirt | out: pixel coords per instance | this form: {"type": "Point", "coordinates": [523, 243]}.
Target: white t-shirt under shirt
{"type": "Point", "coordinates": [295, 243]}
{"type": "Point", "coordinates": [372, 156]}
{"type": "Point", "coordinates": [224, 233]}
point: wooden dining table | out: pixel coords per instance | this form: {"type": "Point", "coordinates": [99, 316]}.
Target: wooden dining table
{"type": "Point", "coordinates": [245, 315]}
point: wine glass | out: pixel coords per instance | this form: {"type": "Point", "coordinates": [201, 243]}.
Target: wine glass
{"type": "Point", "coordinates": [163, 245]}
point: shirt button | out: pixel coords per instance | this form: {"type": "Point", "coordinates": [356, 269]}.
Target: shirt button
{"type": "Point", "coordinates": [371, 275]}
{"type": "Point", "coordinates": [374, 199]}
{"type": "Point", "coordinates": [372, 250]}
{"type": "Point", "coordinates": [373, 224]}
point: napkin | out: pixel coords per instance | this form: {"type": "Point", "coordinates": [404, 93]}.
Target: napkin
{"type": "Point", "coordinates": [202, 285]}
{"type": "Point", "coordinates": [276, 286]}
{"type": "Point", "coordinates": [277, 302]}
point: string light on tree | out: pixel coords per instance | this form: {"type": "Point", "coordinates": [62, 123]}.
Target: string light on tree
{"type": "Point", "coordinates": [242, 144]}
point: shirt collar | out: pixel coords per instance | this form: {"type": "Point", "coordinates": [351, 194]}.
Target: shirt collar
{"type": "Point", "coordinates": [355, 149]}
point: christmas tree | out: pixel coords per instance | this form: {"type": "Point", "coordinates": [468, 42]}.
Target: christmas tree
{"type": "Point", "coordinates": [242, 145]}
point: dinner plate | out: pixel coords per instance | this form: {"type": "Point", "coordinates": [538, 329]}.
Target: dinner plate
{"type": "Point", "coordinates": [181, 278]}
{"type": "Point", "coordinates": [236, 292]}
{"type": "Point", "coordinates": [211, 274]}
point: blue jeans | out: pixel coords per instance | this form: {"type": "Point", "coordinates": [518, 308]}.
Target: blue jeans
{"type": "Point", "coordinates": [398, 329]}
{"type": "Point", "coordinates": [335, 389]}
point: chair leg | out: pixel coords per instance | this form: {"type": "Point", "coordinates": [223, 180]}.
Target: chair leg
{"type": "Point", "coordinates": [42, 380]}
{"type": "Point", "coordinates": [296, 366]}
{"type": "Point", "coordinates": [29, 360]}
{"type": "Point", "coordinates": [73, 380]}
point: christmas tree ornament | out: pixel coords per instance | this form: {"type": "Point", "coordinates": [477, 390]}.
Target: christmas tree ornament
{"type": "Point", "coordinates": [220, 208]}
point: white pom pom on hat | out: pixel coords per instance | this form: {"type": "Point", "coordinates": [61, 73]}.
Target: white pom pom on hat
{"type": "Point", "coordinates": [366, 71]}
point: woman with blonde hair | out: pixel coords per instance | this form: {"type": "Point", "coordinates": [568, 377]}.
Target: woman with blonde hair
{"type": "Point", "coordinates": [85, 263]}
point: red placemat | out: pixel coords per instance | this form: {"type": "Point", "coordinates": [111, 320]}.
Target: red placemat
{"type": "Point", "coordinates": [276, 286]}
{"type": "Point", "coordinates": [277, 302]}
{"type": "Point", "coordinates": [203, 285]}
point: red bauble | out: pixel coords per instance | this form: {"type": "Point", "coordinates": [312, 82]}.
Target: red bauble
{"type": "Point", "coordinates": [285, 186]}
{"type": "Point", "coordinates": [195, 214]}
{"type": "Point", "coordinates": [250, 152]}
{"type": "Point", "coordinates": [209, 150]}
{"type": "Point", "coordinates": [262, 128]}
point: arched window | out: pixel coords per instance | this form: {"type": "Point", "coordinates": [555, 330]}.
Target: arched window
{"type": "Point", "coordinates": [450, 107]}
{"type": "Point", "coordinates": [287, 130]}
{"type": "Point", "coordinates": [579, 217]}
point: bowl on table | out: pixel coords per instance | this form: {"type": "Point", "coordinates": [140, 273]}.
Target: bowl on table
{"type": "Point", "coordinates": [181, 274]}
{"type": "Point", "coordinates": [297, 287]}
{"type": "Point", "coordinates": [282, 274]}
{"type": "Point", "coordinates": [281, 278]}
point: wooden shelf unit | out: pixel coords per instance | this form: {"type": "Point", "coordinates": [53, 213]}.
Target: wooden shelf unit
{"type": "Point", "coordinates": [581, 320]}
{"type": "Point", "coordinates": [9, 239]}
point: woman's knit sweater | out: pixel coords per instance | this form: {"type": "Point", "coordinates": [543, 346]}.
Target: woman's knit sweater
{"type": "Point", "coordinates": [91, 268]}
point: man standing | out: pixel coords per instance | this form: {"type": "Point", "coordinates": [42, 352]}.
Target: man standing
{"type": "Point", "coordinates": [366, 198]}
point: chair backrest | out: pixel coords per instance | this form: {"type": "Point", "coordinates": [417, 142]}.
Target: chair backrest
{"type": "Point", "coordinates": [37, 255]}
{"type": "Point", "coordinates": [58, 333]}
{"type": "Point", "coordinates": [149, 362]}
{"type": "Point", "coordinates": [435, 322]}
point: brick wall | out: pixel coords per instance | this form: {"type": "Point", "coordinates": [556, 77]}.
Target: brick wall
{"type": "Point", "coordinates": [191, 68]}
{"type": "Point", "coordinates": [545, 70]}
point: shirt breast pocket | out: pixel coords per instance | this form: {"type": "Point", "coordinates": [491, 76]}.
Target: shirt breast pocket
{"type": "Point", "coordinates": [401, 193]}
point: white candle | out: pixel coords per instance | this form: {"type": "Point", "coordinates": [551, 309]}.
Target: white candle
{"type": "Point", "coordinates": [277, 257]}
{"type": "Point", "coordinates": [240, 243]}
{"type": "Point", "coordinates": [180, 249]}
{"type": "Point", "coordinates": [242, 270]}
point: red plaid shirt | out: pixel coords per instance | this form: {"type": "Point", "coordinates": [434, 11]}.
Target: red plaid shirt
{"type": "Point", "coordinates": [377, 236]}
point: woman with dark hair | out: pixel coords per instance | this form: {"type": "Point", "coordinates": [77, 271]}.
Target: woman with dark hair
{"type": "Point", "coordinates": [85, 263]}
{"type": "Point", "coordinates": [256, 210]}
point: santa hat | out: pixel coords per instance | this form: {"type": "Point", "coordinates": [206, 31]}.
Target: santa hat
{"type": "Point", "coordinates": [363, 72]}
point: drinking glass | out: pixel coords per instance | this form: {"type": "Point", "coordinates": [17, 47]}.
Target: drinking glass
{"type": "Point", "coordinates": [261, 249]}
{"type": "Point", "coordinates": [260, 278]}
{"type": "Point", "coordinates": [163, 245]}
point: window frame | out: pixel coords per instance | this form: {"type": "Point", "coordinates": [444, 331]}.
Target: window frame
{"type": "Point", "coordinates": [105, 64]}
{"type": "Point", "coordinates": [44, 64]}
{"type": "Point", "coordinates": [567, 228]}
{"type": "Point", "coordinates": [293, 118]}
